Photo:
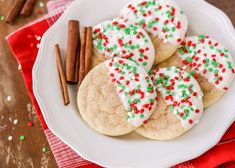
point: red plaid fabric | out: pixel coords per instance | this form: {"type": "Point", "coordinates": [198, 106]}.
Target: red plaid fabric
{"type": "Point", "coordinates": [26, 53]}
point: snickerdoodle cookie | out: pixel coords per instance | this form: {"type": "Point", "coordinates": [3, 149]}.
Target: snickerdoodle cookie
{"type": "Point", "coordinates": [116, 97]}
{"type": "Point", "coordinates": [179, 106]}
{"type": "Point", "coordinates": [210, 63]}
{"type": "Point", "coordinates": [117, 38]}
{"type": "Point", "coordinates": [164, 20]}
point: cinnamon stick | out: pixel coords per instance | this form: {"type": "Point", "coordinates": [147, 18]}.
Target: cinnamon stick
{"type": "Point", "coordinates": [72, 47]}
{"type": "Point", "coordinates": [14, 11]}
{"type": "Point", "coordinates": [77, 64]}
{"type": "Point", "coordinates": [88, 50]}
{"type": "Point", "coordinates": [82, 56]}
{"type": "Point", "coordinates": [63, 84]}
{"type": "Point", "coordinates": [28, 8]}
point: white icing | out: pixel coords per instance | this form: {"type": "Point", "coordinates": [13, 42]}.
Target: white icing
{"type": "Point", "coordinates": [144, 81]}
{"type": "Point", "coordinates": [212, 54]}
{"type": "Point", "coordinates": [153, 12]}
{"type": "Point", "coordinates": [113, 35]}
{"type": "Point", "coordinates": [177, 94]}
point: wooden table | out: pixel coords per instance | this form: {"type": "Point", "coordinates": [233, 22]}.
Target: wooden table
{"type": "Point", "coordinates": [15, 106]}
{"type": "Point", "coordinates": [16, 109]}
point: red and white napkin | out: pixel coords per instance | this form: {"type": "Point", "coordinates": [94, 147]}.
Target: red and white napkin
{"type": "Point", "coordinates": [26, 51]}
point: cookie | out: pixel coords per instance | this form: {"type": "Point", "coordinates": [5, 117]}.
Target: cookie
{"type": "Point", "coordinates": [210, 63]}
{"type": "Point", "coordinates": [179, 105]}
{"type": "Point", "coordinates": [117, 38]}
{"type": "Point", "coordinates": [116, 97]}
{"type": "Point", "coordinates": [164, 20]}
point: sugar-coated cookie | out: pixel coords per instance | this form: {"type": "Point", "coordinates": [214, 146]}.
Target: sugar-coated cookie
{"type": "Point", "coordinates": [179, 106]}
{"type": "Point", "coordinates": [164, 20]}
{"type": "Point", "coordinates": [116, 97]}
{"type": "Point", "coordinates": [209, 62]}
{"type": "Point", "coordinates": [117, 38]}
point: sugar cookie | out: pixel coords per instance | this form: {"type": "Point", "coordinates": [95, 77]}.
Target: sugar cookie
{"type": "Point", "coordinates": [209, 62]}
{"type": "Point", "coordinates": [164, 20]}
{"type": "Point", "coordinates": [179, 107]}
{"type": "Point", "coordinates": [116, 97]}
{"type": "Point", "coordinates": [116, 38]}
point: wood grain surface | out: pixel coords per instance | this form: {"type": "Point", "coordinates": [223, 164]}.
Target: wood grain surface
{"type": "Point", "coordinates": [15, 106]}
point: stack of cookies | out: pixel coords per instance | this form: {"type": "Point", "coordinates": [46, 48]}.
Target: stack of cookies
{"type": "Point", "coordinates": [147, 76]}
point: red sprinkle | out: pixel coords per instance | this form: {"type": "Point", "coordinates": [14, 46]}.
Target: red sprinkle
{"type": "Point", "coordinates": [225, 88]}
{"type": "Point", "coordinates": [195, 94]}
{"type": "Point", "coordinates": [197, 110]}
{"type": "Point", "coordinates": [113, 80]}
{"type": "Point", "coordinates": [190, 121]}
{"type": "Point", "coordinates": [30, 124]}
{"type": "Point", "coordinates": [178, 40]}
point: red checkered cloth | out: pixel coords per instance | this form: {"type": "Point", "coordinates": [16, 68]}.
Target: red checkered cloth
{"type": "Point", "coordinates": [26, 51]}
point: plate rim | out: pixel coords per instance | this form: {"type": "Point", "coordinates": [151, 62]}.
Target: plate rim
{"type": "Point", "coordinates": [171, 161]}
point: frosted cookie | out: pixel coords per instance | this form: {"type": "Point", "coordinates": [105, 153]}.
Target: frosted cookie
{"type": "Point", "coordinates": [116, 97]}
{"type": "Point", "coordinates": [164, 20]}
{"type": "Point", "coordinates": [209, 62]}
{"type": "Point", "coordinates": [179, 106]}
{"type": "Point", "coordinates": [116, 38]}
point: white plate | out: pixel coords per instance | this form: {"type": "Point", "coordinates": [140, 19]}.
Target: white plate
{"type": "Point", "coordinates": [130, 150]}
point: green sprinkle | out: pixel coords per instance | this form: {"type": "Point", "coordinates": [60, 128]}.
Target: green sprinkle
{"type": "Point", "coordinates": [181, 51]}
{"type": "Point", "coordinates": [2, 18]}
{"type": "Point", "coordinates": [142, 11]}
{"type": "Point", "coordinates": [168, 91]}
{"type": "Point", "coordinates": [226, 50]}
{"type": "Point", "coordinates": [186, 114]}
{"type": "Point", "coordinates": [141, 22]}
{"type": "Point", "coordinates": [141, 115]}
{"type": "Point", "coordinates": [188, 59]}
{"type": "Point", "coordinates": [166, 29]}
{"type": "Point", "coordinates": [172, 108]}
{"type": "Point", "coordinates": [133, 115]}
{"type": "Point", "coordinates": [201, 37]}
{"type": "Point", "coordinates": [127, 31]}
{"type": "Point", "coordinates": [150, 25]}
{"type": "Point", "coordinates": [123, 87]}
{"type": "Point", "coordinates": [109, 26]}
{"type": "Point", "coordinates": [132, 47]}
{"type": "Point", "coordinates": [44, 149]}
{"type": "Point", "coordinates": [116, 65]}
{"type": "Point", "coordinates": [137, 100]}
{"type": "Point", "coordinates": [22, 137]}
{"type": "Point", "coordinates": [151, 100]}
